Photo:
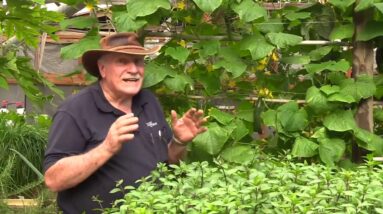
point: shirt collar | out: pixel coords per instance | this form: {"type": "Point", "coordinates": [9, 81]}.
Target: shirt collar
{"type": "Point", "coordinates": [103, 104]}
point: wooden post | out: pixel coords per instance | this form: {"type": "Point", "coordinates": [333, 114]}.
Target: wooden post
{"type": "Point", "coordinates": [362, 63]}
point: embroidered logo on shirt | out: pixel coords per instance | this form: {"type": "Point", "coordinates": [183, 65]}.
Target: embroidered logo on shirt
{"type": "Point", "coordinates": [151, 124]}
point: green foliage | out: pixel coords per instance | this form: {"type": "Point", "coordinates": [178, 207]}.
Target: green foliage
{"type": "Point", "coordinates": [229, 52]}
{"type": "Point", "coordinates": [27, 21]}
{"type": "Point", "coordinates": [29, 80]}
{"type": "Point", "coordinates": [22, 142]}
{"type": "Point", "coordinates": [264, 185]}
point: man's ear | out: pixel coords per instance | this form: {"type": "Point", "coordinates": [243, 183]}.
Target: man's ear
{"type": "Point", "coordinates": [101, 68]}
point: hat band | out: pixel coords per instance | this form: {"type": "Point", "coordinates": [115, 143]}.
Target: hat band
{"type": "Point", "coordinates": [129, 47]}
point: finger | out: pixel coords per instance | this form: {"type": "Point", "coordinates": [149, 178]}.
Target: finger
{"type": "Point", "coordinates": [201, 130]}
{"type": "Point", "coordinates": [173, 117]}
{"type": "Point", "coordinates": [126, 137]}
{"type": "Point", "coordinates": [127, 129]}
{"type": "Point", "coordinates": [199, 114]}
{"type": "Point", "coordinates": [190, 113]}
{"type": "Point", "coordinates": [202, 121]}
{"type": "Point", "coordinates": [126, 120]}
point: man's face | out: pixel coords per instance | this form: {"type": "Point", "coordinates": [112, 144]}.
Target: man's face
{"type": "Point", "coordinates": [122, 74]}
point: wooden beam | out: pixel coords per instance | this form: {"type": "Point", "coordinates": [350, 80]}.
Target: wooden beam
{"type": "Point", "coordinates": [21, 202]}
{"type": "Point", "coordinates": [61, 79]}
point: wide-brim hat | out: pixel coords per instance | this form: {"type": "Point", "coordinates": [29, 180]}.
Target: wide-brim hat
{"type": "Point", "coordinates": [126, 43]}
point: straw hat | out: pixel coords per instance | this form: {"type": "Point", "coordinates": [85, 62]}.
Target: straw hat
{"type": "Point", "coordinates": [126, 43]}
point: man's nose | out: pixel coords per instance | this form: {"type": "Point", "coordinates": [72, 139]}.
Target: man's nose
{"type": "Point", "coordinates": [133, 68]}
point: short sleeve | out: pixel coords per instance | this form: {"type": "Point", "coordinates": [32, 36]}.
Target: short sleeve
{"type": "Point", "coordinates": [65, 139]}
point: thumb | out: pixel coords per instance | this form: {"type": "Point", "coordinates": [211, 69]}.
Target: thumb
{"type": "Point", "coordinates": [173, 117]}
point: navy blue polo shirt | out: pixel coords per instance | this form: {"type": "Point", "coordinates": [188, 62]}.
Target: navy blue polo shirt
{"type": "Point", "coordinates": [82, 122]}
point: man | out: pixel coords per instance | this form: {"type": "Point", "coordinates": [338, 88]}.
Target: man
{"type": "Point", "coordinates": [112, 130]}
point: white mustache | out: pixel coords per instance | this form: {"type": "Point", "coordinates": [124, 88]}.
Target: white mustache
{"type": "Point", "coordinates": [136, 76]}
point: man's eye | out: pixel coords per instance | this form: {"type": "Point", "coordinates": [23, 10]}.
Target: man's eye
{"type": "Point", "coordinates": [139, 62]}
{"type": "Point", "coordinates": [121, 61]}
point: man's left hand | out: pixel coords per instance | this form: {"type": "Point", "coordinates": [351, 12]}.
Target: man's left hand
{"type": "Point", "coordinates": [189, 125]}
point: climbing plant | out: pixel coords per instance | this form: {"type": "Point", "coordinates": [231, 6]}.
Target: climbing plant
{"type": "Point", "coordinates": [25, 21]}
{"type": "Point", "coordinates": [242, 53]}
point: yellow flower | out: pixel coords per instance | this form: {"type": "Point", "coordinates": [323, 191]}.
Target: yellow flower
{"type": "Point", "coordinates": [182, 43]}
{"type": "Point", "coordinates": [188, 19]}
{"type": "Point", "coordinates": [209, 67]}
{"type": "Point", "coordinates": [260, 67]}
{"type": "Point", "coordinates": [263, 61]}
{"type": "Point", "coordinates": [181, 5]}
{"type": "Point", "coordinates": [232, 84]}
{"type": "Point", "coordinates": [265, 92]}
{"type": "Point", "coordinates": [89, 6]}
{"type": "Point", "coordinates": [268, 72]}
{"type": "Point", "coordinates": [275, 57]}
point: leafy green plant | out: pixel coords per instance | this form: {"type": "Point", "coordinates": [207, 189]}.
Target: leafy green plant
{"type": "Point", "coordinates": [22, 144]}
{"type": "Point", "coordinates": [27, 21]}
{"type": "Point", "coordinates": [266, 185]}
{"type": "Point", "coordinates": [238, 53]}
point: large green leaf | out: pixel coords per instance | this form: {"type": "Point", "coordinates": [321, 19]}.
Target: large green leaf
{"type": "Point", "coordinates": [249, 11]}
{"type": "Point", "coordinates": [3, 82]}
{"type": "Point", "coordinates": [292, 15]}
{"type": "Point", "coordinates": [155, 73]}
{"type": "Point", "coordinates": [178, 53]}
{"type": "Point", "coordinates": [71, 2]}
{"type": "Point", "coordinates": [76, 50]}
{"type": "Point", "coordinates": [298, 60]}
{"type": "Point", "coordinates": [379, 6]}
{"type": "Point", "coordinates": [271, 25]}
{"type": "Point", "coordinates": [257, 45]}
{"type": "Point", "coordinates": [78, 22]}
{"type": "Point", "coordinates": [363, 87]}
{"type": "Point", "coordinates": [331, 150]}
{"type": "Point", "coordinates": [371, 30]}
{"type": "Point", "coordinates": [212, 140]}
{"type": "Point", "coordinates": [125, 23]}
{"type": "Point", "coordinates": [319, 53]}
{"type": "Point", "coordinates": [283, 40]}
{"type": "Point", "coordinates": [140, 8]}
{"type": "Point", "coordinates": [178, 82]}
{"type": "Point", "coordinates": [378, 115]}
{"type": "Point", "coordinates": [245, 111]}
{"type": "Point", "coordinates": [342, 32]}
{"type": "Point", "coordinates": [269, 117]}
{"type": "Point", "coordinates": [231, 62]}
{"type": "Point", "coordinates": [370, 140]}
{"type": "Point", "coordinates": [240, 130]}
{"type": "Point", "coordinates": [241, 154]}
{"type": "Point", "coordinates": [39, 1]}
{"type": "Point", "coordinates": [316, 99]}
{"type": "Point", "coordinates": [330, 89]}
{"type": "Point", "coordinates": [363, 5]}
{"type": "Point", "coordinates": [222, 117]}
{"type": "Point", "coordinates": [210, 81]}
{"type": "Point", "coordinates": [208, 6]}
{"type": "Point", "coordinates": [342, 4]}
{"type": "Point", "coordinates": [340, 121]}
{"type": "Point", "coordinates": [291, 117]}
{"type": "Point", "coordinates": [320, 133]}
{"type": "Point", "coordinates": [207, 48]}
{"type": "Point", "coordinates": [342, 66]}
{"type": "Point", "coordinates": [304, 148]}
{"type": "Point", "coordinates": [341, 97]}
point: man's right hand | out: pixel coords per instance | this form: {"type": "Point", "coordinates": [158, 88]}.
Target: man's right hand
{"type": "Point", "coordinates": [121, 131]}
